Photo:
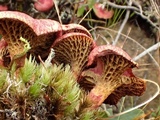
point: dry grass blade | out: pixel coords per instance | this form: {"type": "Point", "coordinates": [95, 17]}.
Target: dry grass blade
{"type": "Point", "coordinates": [57, 10]}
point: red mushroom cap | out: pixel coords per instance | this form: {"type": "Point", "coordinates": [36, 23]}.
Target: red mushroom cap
{"type": "Point", "coordinates": [40, 33]}
{"type": "Point", "coordinates": [104, 50]}
{"type": "Point", "coordinates": [3, 7]}
{"type": "Point", "coordinates": [102, 12]}
{"type": "Point", "coordinates": [43, 5]}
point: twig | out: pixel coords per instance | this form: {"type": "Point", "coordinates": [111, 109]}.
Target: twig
{"type": "Point", "coordinates": [49, 14]}
{"type": "Point", "coordinates": [121, 6]}
{"type": "Point", "coordinates": [138, 5]}
{"type": "Point", "coordinates": [136, 10]}
{"type": "Point", "coordinates": [7, 90]}
{"type": "Point", "coordinates": [123, 24]}
{"type": "Point", "coordinates": [152, 48]}
{"type": "Point", "coordinates": [57, 10]}
{"type": "Point", "coordinates": [85, 15]}
{"type": "Point", "coordinates": [147, 18]}
{"type": "Point", "coordinates": [155, 7]}
{"type": "Point", "coordinates": [10, 84]}
{"type": "Point", "coordinates": [99, 27]}
{"type": "Point", "coordinates": [49, 59]}
{"type": "Point", "coordinates": [2, 111]}
{"type": "Point", "coordinates": [43, 64]}
{"type": "Point", "coordinates": [128, 32]}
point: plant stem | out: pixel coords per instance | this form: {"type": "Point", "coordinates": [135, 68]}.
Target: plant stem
{"type": "Point", "coordinates": [121, 7]}
{"type": "Point", "coordinates": [154, 47]}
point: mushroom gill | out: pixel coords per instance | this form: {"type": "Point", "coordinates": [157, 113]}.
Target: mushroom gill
{"type": "Point", "coordinates": [40, 33]}
{"type": "Point", "coordinates": [132, 86]}
{"type": "Point", "coordinates": [73, 49]}
{"type": "Point", "coordinates": [12, 27]}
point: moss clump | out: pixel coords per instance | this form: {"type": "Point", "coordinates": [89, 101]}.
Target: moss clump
{"type": "Point", "coordinates": [38, 91]}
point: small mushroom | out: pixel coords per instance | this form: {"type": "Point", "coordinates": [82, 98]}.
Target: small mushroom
{"type": "Point", "coordinates": [43, 5]}
{"type": "Point", "coordinates": [102, 12]}
{"type": "Point", "coordinates": [111, 77]}
{"type": "Point", "coordinates": [73, 49]}
{"type": "Point", "coordinates": [3, 7]}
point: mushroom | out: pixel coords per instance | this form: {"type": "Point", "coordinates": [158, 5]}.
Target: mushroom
{"type": "Point", "coordinates": [111, 77]}
{"type": "Point", "coordinates": [102, 12]}
{"type": "Point", "coordinates": [40, 33]}
{"type": "Point", "coordinates": [43, 5]}
{"type": "Point", "coordinates": [73, 48]}
{"type": "Point", "coordinates": [3, 7]}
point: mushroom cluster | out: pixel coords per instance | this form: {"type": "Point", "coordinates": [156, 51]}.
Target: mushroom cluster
{"type": "Point", "coordinates": [105, 72]}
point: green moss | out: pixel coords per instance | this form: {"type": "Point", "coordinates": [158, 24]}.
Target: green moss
{"type": "Point", "coordinates": [55, 87]}
{"type": "Point", "coordinates": [27, 72]}
{"type": "Point", "coordinates": [3, 77]}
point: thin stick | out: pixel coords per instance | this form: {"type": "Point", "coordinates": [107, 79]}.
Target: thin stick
{"type": "Point", "coordinates": [136, 10]}
{"type": "Point", "coordinates": [122, 6]}
{"type": "Point", "coordinates": [99, 27]}
{"type": "Point", "coordinates": [147, 18]}
{"type": "Point", "coordinates": [152, 48]}
{"type": "Point", "coordinates": [85, 15]}
{"type": "Point", "coordinates": [128, 32]}
{"type": "Point", "coordinates": [122, 25]}
{"type": "Point", "coordinates": [57, 10]}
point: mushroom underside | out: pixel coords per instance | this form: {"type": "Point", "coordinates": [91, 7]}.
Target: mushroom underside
{"type": "Point", "coordinates": [73, 49]}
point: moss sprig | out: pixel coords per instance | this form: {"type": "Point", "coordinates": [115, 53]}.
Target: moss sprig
{"type": "Point", "coordinates": [27, 72]}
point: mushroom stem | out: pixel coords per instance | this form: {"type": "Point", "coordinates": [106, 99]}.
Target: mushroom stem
{"type": "Point", "coordinates": [100, 92]}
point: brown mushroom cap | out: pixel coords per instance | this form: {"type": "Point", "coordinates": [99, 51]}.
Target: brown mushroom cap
{"type": "Point", "coordinates": [115, 71]}
{"type": "Point", "coordinates": [40, 33]}
{"type": "Point", "coordinates": [73, 49]}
